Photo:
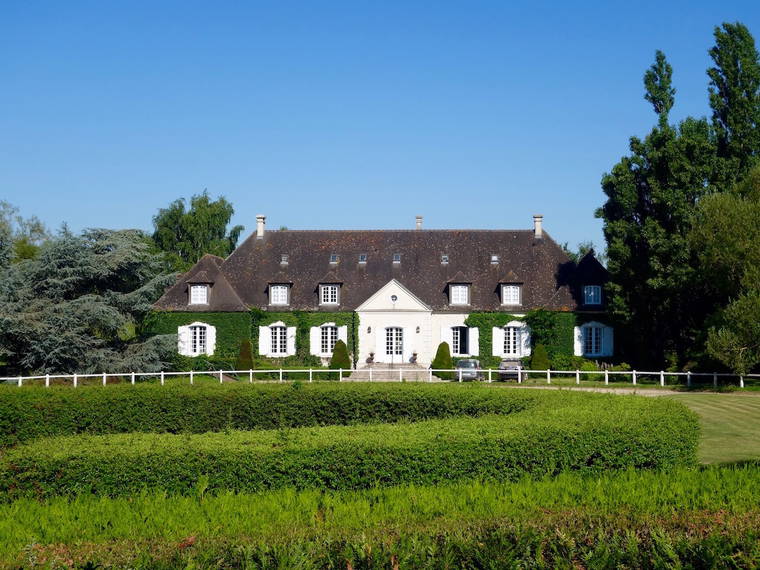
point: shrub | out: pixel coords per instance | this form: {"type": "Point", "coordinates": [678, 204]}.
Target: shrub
{"type": "Point", "coordinates": [539, 359]}
{"type": "Point", "coordinates": [561, 431]}
{"type": "Point", "coordinates": [245, 358]}
{"type": "Point", "coordinates": [442, 361]}
{"type": "Point", "coordinates": [340, 358]}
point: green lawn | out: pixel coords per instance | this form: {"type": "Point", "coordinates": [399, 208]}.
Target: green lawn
{"type": "Point", "coordinates": [730, 425]}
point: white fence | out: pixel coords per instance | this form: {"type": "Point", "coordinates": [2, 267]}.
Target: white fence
{"type": "Point", "coordinates": [395, 374]}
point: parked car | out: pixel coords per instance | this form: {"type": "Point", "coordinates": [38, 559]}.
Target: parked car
{"type": "Point", "coordinates": [508, 369]}
{"type": "Point", "coordinates": [468, 368]}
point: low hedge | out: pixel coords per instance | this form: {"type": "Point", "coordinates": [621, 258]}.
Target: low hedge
{"type": "Point", "coordinates": [561, 431]}
{"type": "Point", "coordinates": [35, 412]}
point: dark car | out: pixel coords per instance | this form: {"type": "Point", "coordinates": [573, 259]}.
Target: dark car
{"type": "Point", "coordinates": [468, 369]}
{"type": "Point", "coordinates": [509, 369]}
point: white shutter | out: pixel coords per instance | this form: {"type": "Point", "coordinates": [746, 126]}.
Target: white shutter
{"type": "Point", "coordinates": [265, 341]}
{"type": "Point", "coordinates": [474, 341]}
{"type": "Point", "coordinates": [291, 346]}
{"type": "Point", "coordinates": [447, 336]}
{"type": "Point", "coordinates": [210, 340]}
{"type": "Point", "coordinates": [410, 345]}
{"type": "Point", "coordinates": [343, 335]}
{"type": "Point", "coordinates": [315, 341]}
{"type": "Point", "coordinates": [183, 340]}
{"type": "Point", "coordinates": [525, 339]}
{"type": "Point", "coordinates": [608, 348]}
{"type": "Point", "coordinates": [577, 341]}
{"type": "Point", "coordinates": [497, 348]}
{"type": "Point", "coordinates": [380, 355]}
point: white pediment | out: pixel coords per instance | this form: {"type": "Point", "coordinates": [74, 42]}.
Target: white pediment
{"type": "Point", "coordinates": [383, 299]}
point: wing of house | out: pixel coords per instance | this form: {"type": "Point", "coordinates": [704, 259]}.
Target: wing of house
{"type": "Point", "coordinates": [408, 290]}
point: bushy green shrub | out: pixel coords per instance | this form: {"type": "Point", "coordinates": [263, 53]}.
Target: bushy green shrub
{"type": "Point", "coordinates": [34, 412]}
{"type": "Point", "coordinates": [561, 431]}
{"type": "Point", "coordinates": [340, 358]}
{"type": "Point", "coordinates": [245, 358]}
{"type": "Point", "coordinates": [539, 359]}
{"type": "Point", "coordinates": [442, 361]}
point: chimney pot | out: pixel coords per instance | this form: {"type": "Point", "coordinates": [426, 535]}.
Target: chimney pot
{"type": "Point", "coordinates": [418, 222]}
{"type": "Point", "coordinates": [538, 230]}
{"type": "Point", "coordinates": [260, 224]}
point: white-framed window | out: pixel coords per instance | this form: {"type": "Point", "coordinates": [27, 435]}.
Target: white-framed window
{"type": "Point", "coordinates": [198, 340]}
{"type": "Point", "coordinates": [459, 294]}
{"type": "Point", "coordinates": [284, 259]}
{"type": "Point", "coordinates": [279, 339]}
{"type": "Point", "coordinates": [198, 294]}
{"type": "Point", "coordinates": [278, 294]}
{"type": "Point", "coordinates": [592, 340]}
{"type": "Point", "coordinates": [394, 341]}
{"type": "Point", "coordinates": [329, 294]}
{"type": "Point", "coordinates": [334, 258]}
{"type": "Point", "coordinates": [512, 341]}
{"type": "Point", "coordinates": [460, 340]}
{"type": "Point", "coordinates": [444, 259]}
{"type": "Point", "coordinates": [494, 259]}
{"type": "Point", "coordinates": [592, 294]}
{"type": "Point", "coordinates": [362, 258]}
{"type": "Point", "coordinates": [511, 294]}
{"type": "Point", "coordinates": [396, 258]}
{"type": "Point", "coordinates": [328, 338]}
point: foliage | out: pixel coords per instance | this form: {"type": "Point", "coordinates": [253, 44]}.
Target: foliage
{"type": "Point", "coordinates": [340, 358]}
{"type": "Point", "coordinates": [442, 361]}
{"type": "Point", "coordinates": [736, 342]}
{"type": "Point", "coordinates": [188, 234]}
{"type": "Point", "coordinates": [245, 358]}
{"type": "Point", "coordinates": [539, 359]}
{"type": "Point", "coordinates": [560, 431]}
{"type": "Point", "coordinates": [581, 250]}
{"type": "Point", "coordinates": [20, 238]}
{"type": "Point", "coordinates": [630, 519]}
{"type": "Point", "coordinates": [78, 306]}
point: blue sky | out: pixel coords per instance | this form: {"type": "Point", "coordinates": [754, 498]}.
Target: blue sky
{"type": "Point", "coordinates": [337, 114]}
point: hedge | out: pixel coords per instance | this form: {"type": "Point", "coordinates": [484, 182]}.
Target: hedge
{"type": "Point", "coordinates": [35, 412]}
{"type": "Point", "coordinates": [562, 431]}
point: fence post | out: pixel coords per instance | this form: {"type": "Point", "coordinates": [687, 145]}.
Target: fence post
{"type": "Point", "coordinates": [132, 378]}
{"type": "Point", "coordinates": [47, 380]}
{"type": "Point", "coordinates": [250, 375]}
{"type": "Point", "coordinates": [104, 378]}
{"type": "Point", "coordinates": [75, 380]}
{"type": "Point", "coordinates": [715, 379]}
{"type": "Point", "coordinates": [340, 375]}
{"type": "Point", "coordinates": [548, 375]}
{"type": "Point", "coordinates": [741, 381]}
{"type": "Point", "coordinates": [519, 375]}
{"type": "Point", "coordinates": [400, 375]}
{"type": "Point", "coordinates": [606, 377]}
{"type": "Point", "coordinates": [460, 374]}
{"type": "Point", "coordinates": [688, 378]}
{"type": "Point", "coordinates": [191, 377]}
{"type": "Point", "coordinates": [162, 378]}
{"type": "Point", "coordinates": [489, 375]}
{"type": "Point", "coordinates": [311, 374]}
{"type": "Point", "coordinates": [662, 377]}
{"type": "Point", "coordinates": [577, 377]}
{"type": "Point", "coordinates": [430, 374]}
{"type": "Point", "coordinates": [220, 377]}
{"type": "Point", "coordinates": [370, 374]}
{"type": "Point", "coordinates": [633, 375]}
{"type": "Point", "coordinates": [20, 381]}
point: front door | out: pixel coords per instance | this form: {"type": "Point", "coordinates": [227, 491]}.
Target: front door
{"type": "Point", "coordinates": [394, 344]}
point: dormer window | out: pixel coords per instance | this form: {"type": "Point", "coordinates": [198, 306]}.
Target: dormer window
{"type": "Point", "coordinates": [329, 294]}
{"type": "Point", "coordinates": [494, 259]}
{"type": "Point", "coordinates": [511, 295]}
{"type": "Point", "coordinates": [284, 259]}
{"type": "Point", "coordinates": [279, 295]}
{"type": "Point", "coordinates": [444, 259]}
{"type": "Point", "coordinates": [592, 295]}
{"type": "Point", "coordinates": [199, 294]}
{"type": "Point", "coordinates": [459, 294]}
{"type": "Point", "coordinates": [396, 258]}
{"type": "Point", "coordinates": [334, 258]}
{"type": "Point", "coordinates": [362, 258]}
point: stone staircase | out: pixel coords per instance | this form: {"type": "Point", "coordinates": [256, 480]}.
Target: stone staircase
{"type": "Point", "coordinates": [391, 373]}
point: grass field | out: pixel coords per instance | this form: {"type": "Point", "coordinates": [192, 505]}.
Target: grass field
{"type": "Point", "coordinates": [730, 425]}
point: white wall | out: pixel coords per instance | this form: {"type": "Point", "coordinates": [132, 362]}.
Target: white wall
{"type": "Point", "coordinates": [414, 341]}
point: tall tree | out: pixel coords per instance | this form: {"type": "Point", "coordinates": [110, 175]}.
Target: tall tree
{"type": "Point", "coordinates": [78, 306]}
{"type": "Point", "coordinates": [20, 238]}
{"type": "Point", "coordinates": [651, 195]}
{"type": "Point", "coordinates": [188, 234]}
{"type": "Point", "coordinates": [735, 100]}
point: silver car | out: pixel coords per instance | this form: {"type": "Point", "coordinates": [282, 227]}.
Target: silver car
{"type": "Point", "coordinates": [467, 369]}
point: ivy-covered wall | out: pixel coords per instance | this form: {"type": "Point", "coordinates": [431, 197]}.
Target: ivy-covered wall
{"type": "Point", "coordinates": [303, 321]}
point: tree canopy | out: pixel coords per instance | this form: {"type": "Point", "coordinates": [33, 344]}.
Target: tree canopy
{"type": "Point", "coordinates": [20, 238]}
{"type": "Point", "coordinates": [186, 234]}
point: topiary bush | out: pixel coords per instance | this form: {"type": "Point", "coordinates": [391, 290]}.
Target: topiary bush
{"type": "Point", "coordinates": [340, 357]}
{"type": "Point", "coordinates": [245, 358]}
{"type": "Point", "coordinates": [539, 359]}
{"type": "Point", "coordinates": [443, 361]}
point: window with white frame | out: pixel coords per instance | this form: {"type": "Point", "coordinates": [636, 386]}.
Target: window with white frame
{"type": "Point", "coordinates": [459, 294]}
{"type": "Point", "coordinates": [198, 340]}
{"type": "Point", "coordinates": [199, 294]}
{"type": "Point", "coordinates": [592, 340]}
{"type": "Point", "coordinates": [284, 259]}
{"type": "Point", "coordinates": [512, 341]}
{"type": "Point", "coordinates": [592, 294]}
{"type": "Point", "coordinates": [459, 340]}
{"type": "Point", "coordinates": [444, 259]}
{"type": "Point", "coordinates": [494, 259]}
{"type": "Point", "coordinates": [329, 336]}
{"type": "Point", "coordinates": [362, 258]}
{"type": "Point", "coordinates": [396, 258]}
{"type": "Point", "coordinates": [511, 294]}
{"type": "Point", "coordinates": [278, 294]}
{"type": "Point", "coordinates": [279, 340]}
{"type": "Point", "coordinates": [334, 258]}
{"type": "Point", "coordinates": [328, 294]}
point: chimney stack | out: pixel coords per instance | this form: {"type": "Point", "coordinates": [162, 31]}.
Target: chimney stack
{"type": "Point", "coordinates": [260, 222]}
{"type": "Point", "coordinates": [418, 222]}
{"type": "Point", "coordinates": [538, 230]}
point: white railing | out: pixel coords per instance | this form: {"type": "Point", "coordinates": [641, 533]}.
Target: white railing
{"type": "Point", "coordinates": [391, 374]}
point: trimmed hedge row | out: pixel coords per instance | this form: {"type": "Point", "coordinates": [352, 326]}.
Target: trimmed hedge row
{"type": "Point", "coordinates": [35, 412]}
{"type": "Point", "coordinates": [562, 431]}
